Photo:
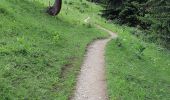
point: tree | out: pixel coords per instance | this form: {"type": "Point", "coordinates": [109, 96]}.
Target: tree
{"type": "Point", "coordinates": [160, 17]}
{"type": "Point", "coordinates": [55, 9]}
{"type": "Point", "coordinates": [152, 16]}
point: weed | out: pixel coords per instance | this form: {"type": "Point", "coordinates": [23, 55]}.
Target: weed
{"type": "Point", "coordinates": [119, 42]}
{"type": "Point", "coordinates": [70, 2]}
{"type": "Point", "coordinates": [140, 51]}
{"type": "Point", "coordinates": [56, 37]}
{"type": "Point", "coordinates": [3, 11]}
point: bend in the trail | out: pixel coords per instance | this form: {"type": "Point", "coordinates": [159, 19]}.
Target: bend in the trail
{"type": "Point", "coordinates": [91, 83]}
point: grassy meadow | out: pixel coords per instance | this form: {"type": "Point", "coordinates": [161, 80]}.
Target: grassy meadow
{"type": "Point", "coordinates": [41, 55]}
{"type": "Point", "coordinates": [136, 70]}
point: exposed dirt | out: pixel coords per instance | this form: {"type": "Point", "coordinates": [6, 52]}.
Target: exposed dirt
{"type": "Point", "coordinates": [91, 84]}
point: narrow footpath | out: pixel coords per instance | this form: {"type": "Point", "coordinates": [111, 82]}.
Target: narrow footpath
{"type": "Point", "coordinates": [91, 84]}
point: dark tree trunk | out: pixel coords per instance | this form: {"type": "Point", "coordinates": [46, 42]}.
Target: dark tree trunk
{"type": "Point", "coordinates": [55, 9]}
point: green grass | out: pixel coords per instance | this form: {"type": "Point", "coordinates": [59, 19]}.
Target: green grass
{"type": "Point", "coordinates": [41, 55]}
{"type": "Point", "coordinates": [136, 70]}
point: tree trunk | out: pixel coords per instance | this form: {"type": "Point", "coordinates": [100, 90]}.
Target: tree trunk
{"type": "Point", "coordinates": [55, 9]}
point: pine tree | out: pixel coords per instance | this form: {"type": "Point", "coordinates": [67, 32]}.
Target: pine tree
{"type": "Point", "coordinates": [153, 16]}
{"type": "Point", "coordinates": [160, 17]}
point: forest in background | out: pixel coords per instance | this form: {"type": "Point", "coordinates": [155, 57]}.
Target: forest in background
{"type": "Point", "coordinates": [152, 17]}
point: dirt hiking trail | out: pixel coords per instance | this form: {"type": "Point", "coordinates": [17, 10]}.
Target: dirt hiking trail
{"type": "Point", "coordinates": [91, 84]}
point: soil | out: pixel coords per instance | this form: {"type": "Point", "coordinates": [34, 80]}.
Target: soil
{"type": "Point", "coordinates": [91, 84]}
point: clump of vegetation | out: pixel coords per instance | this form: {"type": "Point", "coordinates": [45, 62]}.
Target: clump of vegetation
{"type": "Point", "coordinates": [88, 25]}
{"type": "Point", "coordinates": [56, 37]}
{"type": "Point", "coordinates": [119, 42]}
{"type": "Point", "coordinates": [140, 51]}
{"type": "Point", "coordinates": [3, 11]}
